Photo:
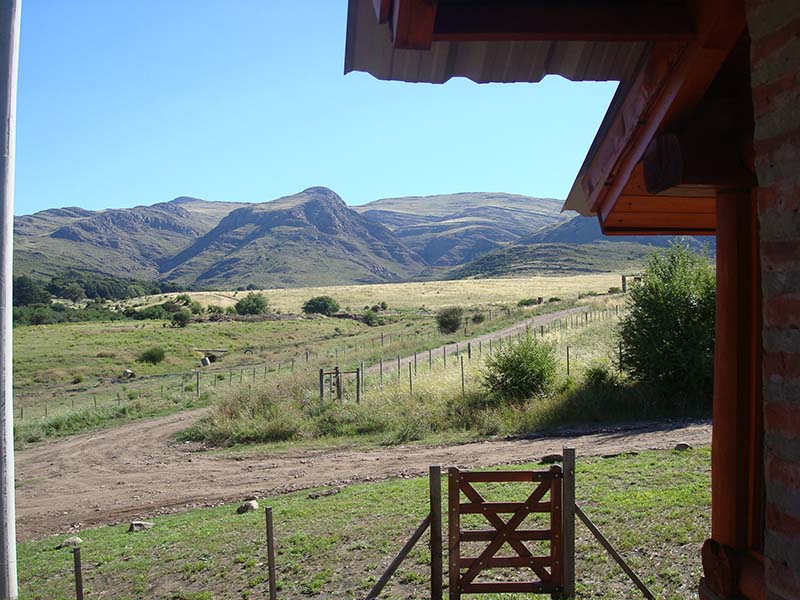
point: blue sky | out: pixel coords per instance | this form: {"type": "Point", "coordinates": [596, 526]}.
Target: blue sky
{"type": "Point", "coordinates": [124, 103]}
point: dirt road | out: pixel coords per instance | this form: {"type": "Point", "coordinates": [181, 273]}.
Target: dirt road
{"type": "Point", "coordinates": [138, 470]}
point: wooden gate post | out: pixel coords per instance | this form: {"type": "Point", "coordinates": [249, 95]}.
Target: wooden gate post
{"type": "Point", "coordinates": [321, 386]}
{"type": "Point", "coordinates": [454, 527]}
{"type": "Point", "coordinates": [435, 477]}
{"type": "Point", "coordinates": [568, 527]}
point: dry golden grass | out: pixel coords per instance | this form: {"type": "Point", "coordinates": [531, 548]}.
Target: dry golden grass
{"type": "Point", "coordinates": [430, 294]}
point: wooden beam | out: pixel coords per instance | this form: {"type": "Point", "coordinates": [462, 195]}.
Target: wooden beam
{"type": "Point", "coordinates": [383, 9]}
{"type": "Point", "coordinates": [412, 23]}
{"type": "Point", "coordinates": [660, 222]}
{"type": "Point", "coordinates": [501, 20]}
{"type": "Point", "coordinates": [629, 203]}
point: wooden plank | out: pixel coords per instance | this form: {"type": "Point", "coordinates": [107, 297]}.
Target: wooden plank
{"type": "Point", "coordinates": [613, 553]}
{"type": "Point", "coordinates": [572, 20]}
{"type": "Point", "coordinates": [556, 524]}
{"type": "Point", "coordinates": [379, 585]}
{"type": "Point", "coordinates": [435, 487]}
{"type": "Point", "coordinates": [513, 587]}
{"type": "Point", "coordinates": [487, 535]}
{"type": "Point", "coordinates": [568, 527]}
{"type": "Point", "coordinates": [661, 221]}
{"type": "Point", "coordinates": [454, 530]}
{"type": "Point", "coordinates": [505, 476]}
{"type": "Point", "coordinates": [412, 23]}
{"type": "Point", "coordinates": [471, 508]}
{"type": "Point", "coordinates": [665, 204]}
{"type": "Point", "coordinates": [502, 562]}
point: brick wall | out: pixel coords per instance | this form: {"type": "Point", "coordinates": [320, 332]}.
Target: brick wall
{"type": "Point", "coordinates": [774, 27]}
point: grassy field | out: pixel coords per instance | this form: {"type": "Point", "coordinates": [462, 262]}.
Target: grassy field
{"type": "Point", "coordinates": [438, 399]}
{"type": "Point", "coordinates": [654, 507]}
{"type": "Point", "coordinates": [424, 294]}
{"type": "Point", "coordinates": [63, 372]}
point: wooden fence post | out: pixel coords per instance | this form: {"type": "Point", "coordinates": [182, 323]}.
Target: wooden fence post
{"type": "Point", "coordinates": [568, 526]}
{"type": "Point", "coordinates": [435, 482]}
{"type": "Point", "coordinates": [321, 386]}
{"type": "Point", "coordinates": [453, 526]}
{"type": "Point", "coordinates": [567, 361]}
{"type": "Point", "coordinates": [273, 592]}
{"type": "Point", "coordinates": [197, 384]}
{"type": "Point", "coordinates": [358, 386]}
{"type": "Point", "coordinates": [463, 386]}
{"type": "Point", "coordinates": [410, 381]}
{"type": "Point", "coordinates": [76, 558]}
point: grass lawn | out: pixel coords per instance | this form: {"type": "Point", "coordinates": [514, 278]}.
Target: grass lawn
{"type": "Point", "coordinates": [653, 506]}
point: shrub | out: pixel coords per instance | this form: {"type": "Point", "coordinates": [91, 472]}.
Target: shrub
{"type": "Point", "coordinates": [528, 302]}
{"type": "Point", "coordinates": [152, 355]}
{"type": "Point", "coordinates": [614, 290]}
{"type": "Point", "coordinates": [371, 318]}
{"type": "Point", "coordinates": [554, 299]}
{"type": "Point", "coordinates": [215, 309]}
{"type": "Point", "coordinates": [521, 370]}
{"type": "Point", "coordinates": [252, 304]}
{"type": "Point", "coordinates": [478, 317]}
{"type": "Point", "coordinates": [667, 335]}
{"type": "Point", "coordinates": [321, 305]}
{"type": "Point", "coordinates": [448, 320]}
{"type": "Point", "coordinates": [383, 305]}
{"type": "Point", "coordinates": [181, 318]}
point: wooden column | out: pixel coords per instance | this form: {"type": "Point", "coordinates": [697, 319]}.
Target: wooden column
{"type": "Point", "coordinates": [738, 430]}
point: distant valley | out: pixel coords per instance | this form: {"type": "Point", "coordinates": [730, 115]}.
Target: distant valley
{"type": "Point", "coordinates": [313, 238]}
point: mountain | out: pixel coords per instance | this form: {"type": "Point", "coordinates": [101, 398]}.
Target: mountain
{"type": "Point", "coordinates": [308, 239]}
{"type": "Point", "coordinates": [313, 238]}
{"type": "Point", "coordinates": [449, 230]}
{"type": "Point", "coordinates": [575, 246]}
{"type": "Point", "coordinates": [127, 242]}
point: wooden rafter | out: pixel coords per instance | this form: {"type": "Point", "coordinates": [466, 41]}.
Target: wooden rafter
{"type": "Point", "coordinates": [627, 20]}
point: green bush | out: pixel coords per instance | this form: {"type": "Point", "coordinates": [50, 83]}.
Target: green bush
{"type": "Point", "coordinates": [181, 318]}
{"type": "Point", "coordinates": [448, 320]}
{"type": "Point", "coordinates": [528, 302]}
{"type": "Point", "coordinates": [252, 304]}
{"type": "Point", "coordinates": [667, 334]}
{"type": "Point", "coordinates": [321, 305]}
{"type": "Point", "coordinates": [152, 355]}
{"type": "Point", "coordinates": [614, 290]}
{"type": "Point", "coordinates": [521, 370]}
{"type": "Point", "coordinates": [478, 317]}
{"type": "Point", "coordinates": [371, 318]}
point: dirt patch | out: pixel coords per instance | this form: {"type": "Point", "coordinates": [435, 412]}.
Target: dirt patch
{"type": "Point", "coordinates": [138, 471]}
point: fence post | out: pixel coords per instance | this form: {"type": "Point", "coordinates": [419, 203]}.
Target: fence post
{"type": "Point", "coordinates": [453, 526]}
{"type": "Point", "coordinates": [321, 386]}
{"type": "Point", "coordinates": [463, 387]}
{"type": "Point", "coordinates": [444, 355]}
{"type": "Point", "coordinates": [435, 481]}
{"type": "Point", "coordinates": [399, 374]}
{"type": "Point", "coordinates": [273, 593]}
{"type": "Point", "coordinates": [76, 558]}
{"type": "Point", "coordinates": [568, 526]}
{"type": "Point", "coordinates": [567, 361]}
{"type": "Point", "coordinates": [197, 384]}
{"type": "Point", "coordinates": [415, 362]}
{"type": "Point", "coordinates": [469, 350]}
{"type": "Point", "coordinates": [358, 386]}
{"type": "Point", "coordinates": [363, 377]}
{"type": "Point", "coordinates": [410, 381]}
{"type": "Point", "coordinates": [338, 376]}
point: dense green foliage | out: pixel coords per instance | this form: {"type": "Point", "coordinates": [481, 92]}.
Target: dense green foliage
{"type": "Point", "coordinates": [152, 355]}
{"type": "Point", "coordinates": [94, 286]}
{"type": "Point", "coordinates": [47, 314]}
{"type": "Point", "coordinates": [448, 320]}
{"type": "Point", "coordinates": [26, 292]}
{"type": "Point", "coordinates": [522, 370]}
{"type": "Point", "coordinates": [667, 335]}
{"type": "Point", "coordinates": [252, 304]}
{"type": "Point", "coordinates": [323, 305]}
{"type": "Point", "coordinates": [181, 318]}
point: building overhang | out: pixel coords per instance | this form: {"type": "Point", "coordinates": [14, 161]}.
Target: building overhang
{"type": "Point", "coordinates": [653, 167]}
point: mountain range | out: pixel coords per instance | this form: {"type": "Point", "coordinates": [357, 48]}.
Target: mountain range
{"type": "Point", "coordinates": [313, 238]}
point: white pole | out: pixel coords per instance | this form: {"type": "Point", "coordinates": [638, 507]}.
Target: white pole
{"type": "Point", "coordinates": [9, 55]}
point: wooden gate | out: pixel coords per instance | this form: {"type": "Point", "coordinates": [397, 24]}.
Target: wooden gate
{"type": "Point", "coordinates": [545, 497]}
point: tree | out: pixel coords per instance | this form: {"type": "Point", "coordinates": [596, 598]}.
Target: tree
{"type": "Point", "coordinates": [322, 305]}
{"type": "Point", "coordinates": [448, 320]}
{"type": "Point", "coordinates": [252, 304]}
{"type": "Point", "coordinates": [73, 292]}
{"type": "Point", "coordinates": [667, 335]}
{"type": "Point", "coordinates": [26, 292]}
{"type": "Point", "coordinates": [181, 318]}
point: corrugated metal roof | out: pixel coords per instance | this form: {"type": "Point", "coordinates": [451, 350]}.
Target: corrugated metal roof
{"type": "Point", "coordinates": [370, 49]}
